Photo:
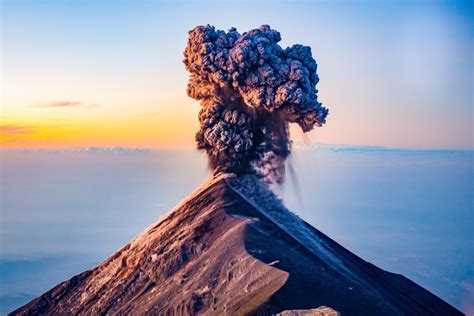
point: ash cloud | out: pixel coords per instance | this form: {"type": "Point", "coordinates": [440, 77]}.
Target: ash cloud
{"type": "Point", "coordinates": [250, 89]}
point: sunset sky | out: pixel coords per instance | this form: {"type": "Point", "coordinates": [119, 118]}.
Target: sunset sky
{"type": "Point", "coordinates": [110, 73]}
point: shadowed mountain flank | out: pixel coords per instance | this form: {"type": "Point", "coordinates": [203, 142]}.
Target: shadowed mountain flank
{"type": "Point", "coordinates": [232, 248]}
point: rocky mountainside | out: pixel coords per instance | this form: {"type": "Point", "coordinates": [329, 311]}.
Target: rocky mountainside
{"type": "Point", "coordinates": [232, 248]}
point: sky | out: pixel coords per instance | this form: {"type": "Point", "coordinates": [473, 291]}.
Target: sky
{"type": "Point", "coordinates": [110, 73]}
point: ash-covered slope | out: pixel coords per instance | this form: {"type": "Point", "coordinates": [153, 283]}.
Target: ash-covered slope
{"type": "Point", "coordinates": [233, 248]}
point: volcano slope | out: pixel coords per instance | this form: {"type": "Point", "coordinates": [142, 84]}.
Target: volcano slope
{"type": "Point", "coordinates": [232, 248]}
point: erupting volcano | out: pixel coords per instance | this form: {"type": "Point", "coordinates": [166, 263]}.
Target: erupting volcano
{"type": "Point", "coordinates": [231, 247]}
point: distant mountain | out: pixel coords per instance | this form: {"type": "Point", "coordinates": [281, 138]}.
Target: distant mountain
{"type": "Point", "coordinates": [232, 248]}
{"type": "Point", "coordinates": [376, 149]}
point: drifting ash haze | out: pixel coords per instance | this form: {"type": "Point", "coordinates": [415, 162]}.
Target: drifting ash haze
{"type": "Point", "coordinates": [232, 248]}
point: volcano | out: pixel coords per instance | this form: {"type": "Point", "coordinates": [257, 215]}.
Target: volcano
{"type": "Point", "coordinates": [232, 248]}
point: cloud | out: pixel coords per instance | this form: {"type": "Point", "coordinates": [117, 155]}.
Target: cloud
{"type": "Point", "coordinates": [11, 134]}
{"type": "Point", "coordinates": [15, 129]}
{"type": "Point", "coordinates": [58, 104]}
{"type": "Point", "coordinates": [64, 104]}
{"type": "Point", "coordinates": [115, 150]}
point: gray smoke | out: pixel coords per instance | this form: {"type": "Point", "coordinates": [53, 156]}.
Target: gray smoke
{"type": "Point", "coordinates": [250, 89]}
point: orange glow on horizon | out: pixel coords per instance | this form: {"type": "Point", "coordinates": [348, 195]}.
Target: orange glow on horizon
{"type": "Point", "coordinates": [169, 131]}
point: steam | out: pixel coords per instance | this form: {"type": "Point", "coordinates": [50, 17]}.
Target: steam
{"type": "Point", "coordinates": [250, 89]}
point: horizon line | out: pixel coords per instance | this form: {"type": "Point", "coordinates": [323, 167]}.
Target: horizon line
{"type": "Point", "coordinates": [297, 145]}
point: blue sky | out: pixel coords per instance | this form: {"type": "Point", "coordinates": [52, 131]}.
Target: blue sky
{"type": "Point", "coordinates": [393, 73]}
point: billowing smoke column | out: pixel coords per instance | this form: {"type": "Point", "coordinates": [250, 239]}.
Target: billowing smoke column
{"type": "Point", "coordinates": [250, 89]}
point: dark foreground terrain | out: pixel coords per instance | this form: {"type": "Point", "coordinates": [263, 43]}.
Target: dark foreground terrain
{"type": "Point", "coordinates": [232, 248]}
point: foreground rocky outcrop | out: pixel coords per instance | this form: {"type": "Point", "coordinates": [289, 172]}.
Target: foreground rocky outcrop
{"type": "Point", "coordinates": [232, 248]}
{"type": "Point", "coordinates": [320, 311]}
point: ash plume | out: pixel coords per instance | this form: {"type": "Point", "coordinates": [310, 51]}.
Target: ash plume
{"type": "Point", "coordinates": [250, 89]}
